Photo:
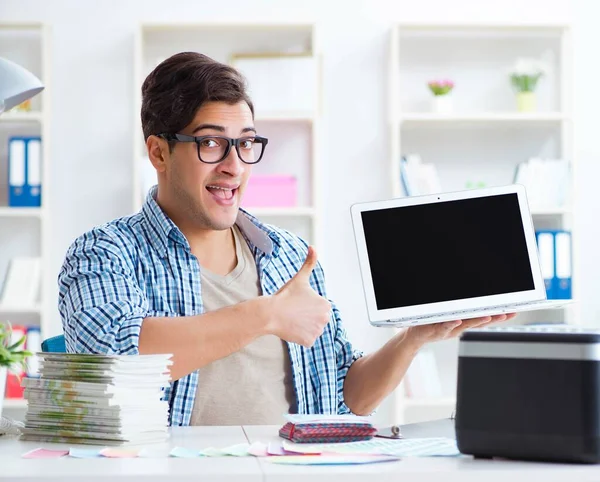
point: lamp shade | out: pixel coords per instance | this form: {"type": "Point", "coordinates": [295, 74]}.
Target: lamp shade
{"type": "Point", "coordinates": [16, 85]}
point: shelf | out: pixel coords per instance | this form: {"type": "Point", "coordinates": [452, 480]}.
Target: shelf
{"type": "Point", "coordinates": [481, 26]}
{"type": "Point", "coordinates": [429, 402]}
{"type": "Point", "coordinates": [7, 212]}
{"type": "Point", "coordinates": [14, 403]}
{"type": "Point", "coordinates": [533, 118]}
{"type": "Point", "coordinates": [296, 212]}
{"type": "Point", "coordinates": [20, 309]}
{"type": "Point", "coordinates": [551, 212]}
{"type": "Point", "coordinates": [284, 117]}
{"type": "Point", "coordinates": [21, 117]}
{"type": "Point", "coordinates": [229, 24]}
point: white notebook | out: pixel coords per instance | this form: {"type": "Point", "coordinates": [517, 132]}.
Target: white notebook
{"type": "Point", "coordinates": [22, 283]}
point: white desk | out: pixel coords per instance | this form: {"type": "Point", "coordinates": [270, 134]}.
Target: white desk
{"type": "Point", "coordinates": [425, 469]}
{"type": "Point", "coordinates": [463, 469]}
{"type": "Point", "coordinates": [15, 468]}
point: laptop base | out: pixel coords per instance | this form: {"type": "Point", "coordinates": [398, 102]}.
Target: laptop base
{"type": "Point", "coordinates": [468, 314]}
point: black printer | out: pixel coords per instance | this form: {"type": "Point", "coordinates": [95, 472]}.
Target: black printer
{"type": "Point", "coordinates": [529, 393]}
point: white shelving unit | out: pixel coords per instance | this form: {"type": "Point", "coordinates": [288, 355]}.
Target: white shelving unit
{"type": "Point", "coordinates": [293, 136]}
{"type": "Point", "coordinates": [25, 231]}
{"type": "Point", "coordinates": [500, 117]}
{"type": "Point", "coordinates": [484, 137]}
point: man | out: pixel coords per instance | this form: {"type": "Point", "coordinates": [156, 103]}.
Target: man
{"type": "Point", "coordinates": [240, 305]}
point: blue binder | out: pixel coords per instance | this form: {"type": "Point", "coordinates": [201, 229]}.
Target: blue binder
{"type": "Point", "coordinates": [563, 263]}
{"type": "Point", "coordinates": [404, 181]}
{"type": "Point", "coordinates": [546, 251]}
{"type": "Point", "coordinates": [25, 172]}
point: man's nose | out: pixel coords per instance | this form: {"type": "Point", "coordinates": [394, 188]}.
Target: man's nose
{"type": "Point", "coordinates": [232, 164]}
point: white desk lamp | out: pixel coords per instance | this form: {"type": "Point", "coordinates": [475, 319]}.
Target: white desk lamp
{"type": "Point", "coordinates": [16, 85]}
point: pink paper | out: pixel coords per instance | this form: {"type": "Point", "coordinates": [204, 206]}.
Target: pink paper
{"type": "Point", "coordinates": [258, 449]}
{"type": "Point", "coordinates": [45, 454]}
{"type": "Point", "coordinates": [275, 448]}
{"type": "Point", "coordinates": [119, 453]}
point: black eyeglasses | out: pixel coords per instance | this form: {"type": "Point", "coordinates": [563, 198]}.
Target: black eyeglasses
{"type": "Point", "coordinates": [213, 149]}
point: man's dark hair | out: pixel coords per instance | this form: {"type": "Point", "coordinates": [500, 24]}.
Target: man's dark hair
{"type": "Point", "coordinates": [180, 85]}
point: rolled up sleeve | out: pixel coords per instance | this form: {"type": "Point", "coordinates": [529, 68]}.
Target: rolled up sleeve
{"type": "Point", "coordinates": [101, 304]}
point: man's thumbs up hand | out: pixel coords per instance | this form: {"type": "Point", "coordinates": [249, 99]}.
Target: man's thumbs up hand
{"type": "Point", "coordinates": [299, 314]}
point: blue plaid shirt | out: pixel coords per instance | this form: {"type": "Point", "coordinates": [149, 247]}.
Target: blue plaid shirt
{"type": "Point", "coordinates": [141, 266]}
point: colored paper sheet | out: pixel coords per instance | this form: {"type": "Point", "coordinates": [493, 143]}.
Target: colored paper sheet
{"type": "Point", "coordinates": [213, 452]}
{"type": "Point", "coordinates": [301, 449]}
{"type": "Point", "coordinates": [416, 447]}
{"type": "Point", "coordinates": [116, 453]}
{"type": "Point", "coordinates": [182, 452]}
{"type": "Point", "coordinates": [85, 453]}
{"type": "Point", "coordinates": [275, 448]}
{"type": "Point", "coordinates": [258, 449]}
{"type": "Point", "coordinates": [153, 453]}
{"type": "Point", "coordinates": [45, 454]}
{"type": "Point", "coordinates": [331, 459]}
{"type": "Point", "coordinates": [240, 450]}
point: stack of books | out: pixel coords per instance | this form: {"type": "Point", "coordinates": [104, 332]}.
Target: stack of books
{"type": "Point", "coordinates": [97, 399]}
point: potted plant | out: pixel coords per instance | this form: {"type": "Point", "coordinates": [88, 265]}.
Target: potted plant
{"type": "Point", "coordinates": [524, 77]}
{"type": "Point", "coordinates": [12, 356]}
{"type": "Point", "coordinates": [441, 89]}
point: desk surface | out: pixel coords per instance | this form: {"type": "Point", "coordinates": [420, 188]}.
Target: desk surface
{"type": "Point", "coordinates": [465, 468]}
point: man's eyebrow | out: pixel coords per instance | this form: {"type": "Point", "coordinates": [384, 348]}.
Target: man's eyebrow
{"type": "Point", "coordinates": [209, 126]}
{"type": "Point", "coordinates": [220, 128]}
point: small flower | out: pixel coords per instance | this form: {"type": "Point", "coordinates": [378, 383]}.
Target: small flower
{"type": "Point", "coordinates": [526, 73]}
{"type": "Point", "coordinates": [440, 87]}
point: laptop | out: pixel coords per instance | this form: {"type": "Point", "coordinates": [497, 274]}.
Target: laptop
{"type": "Point", "coordinates": [449, 256]}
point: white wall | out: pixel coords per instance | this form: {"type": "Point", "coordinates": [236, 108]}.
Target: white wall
{"type": "Point", "coordinates": [92, 110]}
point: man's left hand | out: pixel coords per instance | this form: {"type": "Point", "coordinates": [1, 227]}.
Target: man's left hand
{"type": "Point", "coordinates": [422, 334]}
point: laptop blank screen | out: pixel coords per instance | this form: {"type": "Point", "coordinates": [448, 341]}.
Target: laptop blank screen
{"type": "Point", "coordinates": [447, 251]}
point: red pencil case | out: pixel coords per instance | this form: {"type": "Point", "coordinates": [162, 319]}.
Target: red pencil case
{"type": "Point", "coordinates": [327, 432]}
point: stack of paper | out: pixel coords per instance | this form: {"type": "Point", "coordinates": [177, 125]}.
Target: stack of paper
{"type": "Point", "coordinates": [546, 182]}
{"type": "Point", "coordinates": [418, 178]}
{"type": "Point", "coordinates": [98, 399]}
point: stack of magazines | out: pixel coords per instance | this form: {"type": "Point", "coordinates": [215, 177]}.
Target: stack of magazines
{"type": "Point", "coordinates": [97, 399]}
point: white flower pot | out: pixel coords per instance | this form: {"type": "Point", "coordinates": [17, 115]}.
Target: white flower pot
{"type": "Point", "coordinates": [442, 104]}
{"type": "Point", "coordinates": [2, 386]}
{"type": "Point", "coordinates": [526, 102]}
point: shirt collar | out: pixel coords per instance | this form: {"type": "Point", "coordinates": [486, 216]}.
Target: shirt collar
{"type": "Point", "coordinates": [161, 228]}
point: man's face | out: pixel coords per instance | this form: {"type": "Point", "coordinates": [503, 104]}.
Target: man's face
{"type": "Point", "coordinates": [210, 194]}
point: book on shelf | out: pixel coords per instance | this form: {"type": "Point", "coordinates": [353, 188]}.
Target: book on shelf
{"type": "Point", "coordinates": [418, 178]}
{"type": "Point", "coordinates": [546, 182]}
{"type": "Point", "coordinates": [22, 283]}
{"type": "Point", "coordinates": [555, 253]}
{"type": "Point", "coordinates": [24, 171]}
{"type": "Point", "coordinates": [13, 388]}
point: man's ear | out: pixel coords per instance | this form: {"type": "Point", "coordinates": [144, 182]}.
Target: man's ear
{"type": "Point", "coordinates": [158, 152]}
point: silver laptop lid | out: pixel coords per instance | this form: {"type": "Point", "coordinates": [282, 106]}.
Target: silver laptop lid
{"type": "Point", "coordinates": [451, 251]}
